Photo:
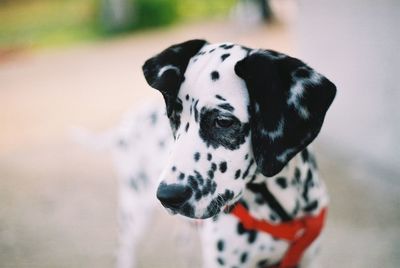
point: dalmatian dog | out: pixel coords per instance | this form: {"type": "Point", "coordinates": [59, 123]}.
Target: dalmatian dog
{"type": "Point", "coordinates": [242, 120]}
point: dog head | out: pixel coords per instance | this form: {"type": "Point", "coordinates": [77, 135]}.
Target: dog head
{"type": "Point", "coordinates": [234, 113]}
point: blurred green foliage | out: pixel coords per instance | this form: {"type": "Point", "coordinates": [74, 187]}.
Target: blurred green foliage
{"type": "Point", "coordinates": [153, 13]}
{"type": "Point", "coordinates": [39, 23]}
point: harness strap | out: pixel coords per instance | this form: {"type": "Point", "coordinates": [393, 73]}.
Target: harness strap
{"type": "Point", "coordinates": [300, 232]}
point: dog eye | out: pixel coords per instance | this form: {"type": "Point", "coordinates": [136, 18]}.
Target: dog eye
{"type": "Point", "coordinates": [223, 122]}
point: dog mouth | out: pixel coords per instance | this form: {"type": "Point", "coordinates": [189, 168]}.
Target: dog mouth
{"type": "Point", "coordinates": [171, 211]}
{"type": "Point", "coordinates": [222, 203]}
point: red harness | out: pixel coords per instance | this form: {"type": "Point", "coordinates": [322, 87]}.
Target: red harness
{"type": "Point", "coordinates": [300, 232]}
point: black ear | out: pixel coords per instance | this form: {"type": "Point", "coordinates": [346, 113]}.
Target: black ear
{"type": "Point", "coordinates": [288, 102]}
{"type": "Point", "coordinates": [165, 71]}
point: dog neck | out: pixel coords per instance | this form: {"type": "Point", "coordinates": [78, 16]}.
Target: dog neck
{"type": "Point", "coordinates": [272, 198]}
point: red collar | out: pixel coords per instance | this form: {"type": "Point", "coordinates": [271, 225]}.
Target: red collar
{"type": "Point", "coordinates": [300, 233]}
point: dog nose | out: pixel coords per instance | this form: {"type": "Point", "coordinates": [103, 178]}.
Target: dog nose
{"type": "Point", "coordinates": [173, 195]}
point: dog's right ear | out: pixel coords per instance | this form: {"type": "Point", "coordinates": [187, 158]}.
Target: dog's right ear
{"type": "Point", "coordinates": [165, 71]}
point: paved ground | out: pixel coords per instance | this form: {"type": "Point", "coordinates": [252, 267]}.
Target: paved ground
{"type": "Point", "coordinates": [57, 200]}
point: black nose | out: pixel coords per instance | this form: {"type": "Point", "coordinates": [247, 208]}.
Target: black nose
{"type": "Point", "coordinates": [173, 195]}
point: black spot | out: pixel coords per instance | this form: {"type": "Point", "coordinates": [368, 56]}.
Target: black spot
{"type": "Point", "coordinates": [297, 175]}
{"type": "Point", "coordinates": [243, 257]}
{"type": "Point", "coordinates": [209, 157]}
{"type": "Point", "coordinates": [187, 127]}
{"type": "Point", "coordinates": [226, 106]}
{"type": "Point", "coordinates": [187, 97]}
{"type": "Point", "coordinates": [248, 168]}
{"type": "Point", "coordinates": [220, 261]}
{"type": "Point", "coordinates": [207, 187]}
{"type": "Point", "coordinates": [262, 263]}
{"type": "Point", "coordinates": [196, 112]}
{"type": "Point", "coordinates": [187, 210]}
{"type": "Point", "coordinates": [259, 199]}
{"type": "Point", "coordinates": [213, 166]}
{"type": "Point", "coordinates": [228, 195]}
{"type": "Point", "coordinates": [237, 174]}
{"type": "Point", "coordinates": [246, 156]}
{"type": "Point", "coordinates": [153, 118]}
{"type": "Point", "coordinates": [193, 183]}
{"type": "Point", "coordinates": [214, 75]}
{"type": "Point", "coordinates": [307, 184]}
{"type": "Point", "coordinates": [224, 56]}
{"type": "Point", "coordinates": [174, 114]}
{"type": "Point", "coordinates": [212, 50]}
{"type": "Point", "coordinates": [230, 138]}
{"type": "Point", "coordinates": [222, 166]}
{"type": "Point", "coordinates": [220, 245]}
{"type": "Point", "coordinates": [181, 176]}
{"type": "Point", "coordinates": [215, 205]}
{"type": "Point", "coordinates": [197, 156]}
{"type": "Point", "coordinates": [240, 229]}
{"type": "Point", "coordinates": [210, 174]}
{"type": "Point", "coordinates": [305, 155]}
{"type": "Point", "coordinates": [174, 168]}
{"type": "Point", "coordinates": [213, 187]}
{"type": "Point", "coordinates": [282, 182]}
{"type": "Point", "coordinates": [199, 178]}
{"type": "Point", "coordinates": [252, 235]}
{"type": "Point", "coordinates": [220, 98]}
{"type": "Point", "coordinates": [272, 217]}
{"type": "Point", "coordinates": [197, 195]}
{"type": "Point", "coordinates": [225, 46]}
{"type": "Point", "coordinates": [310, 207]}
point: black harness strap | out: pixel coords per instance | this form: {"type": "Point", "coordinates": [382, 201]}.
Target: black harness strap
{"type": "Point", "coordinates": [270, 199]}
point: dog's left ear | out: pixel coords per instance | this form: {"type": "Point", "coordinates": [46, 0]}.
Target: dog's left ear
{"type": "Point", "coordinates": [165, 71]}
{"type": "Point", "coordinates": [288, 102]}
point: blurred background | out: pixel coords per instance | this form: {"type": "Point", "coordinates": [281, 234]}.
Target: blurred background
{"type": "Point", "coordinates": [66, 63]}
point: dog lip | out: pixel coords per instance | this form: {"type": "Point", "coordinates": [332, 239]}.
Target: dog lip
{"type": "Point", "coordinates": [171, 211]}
{"type": "Point", "coordinates": [171, 207]}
